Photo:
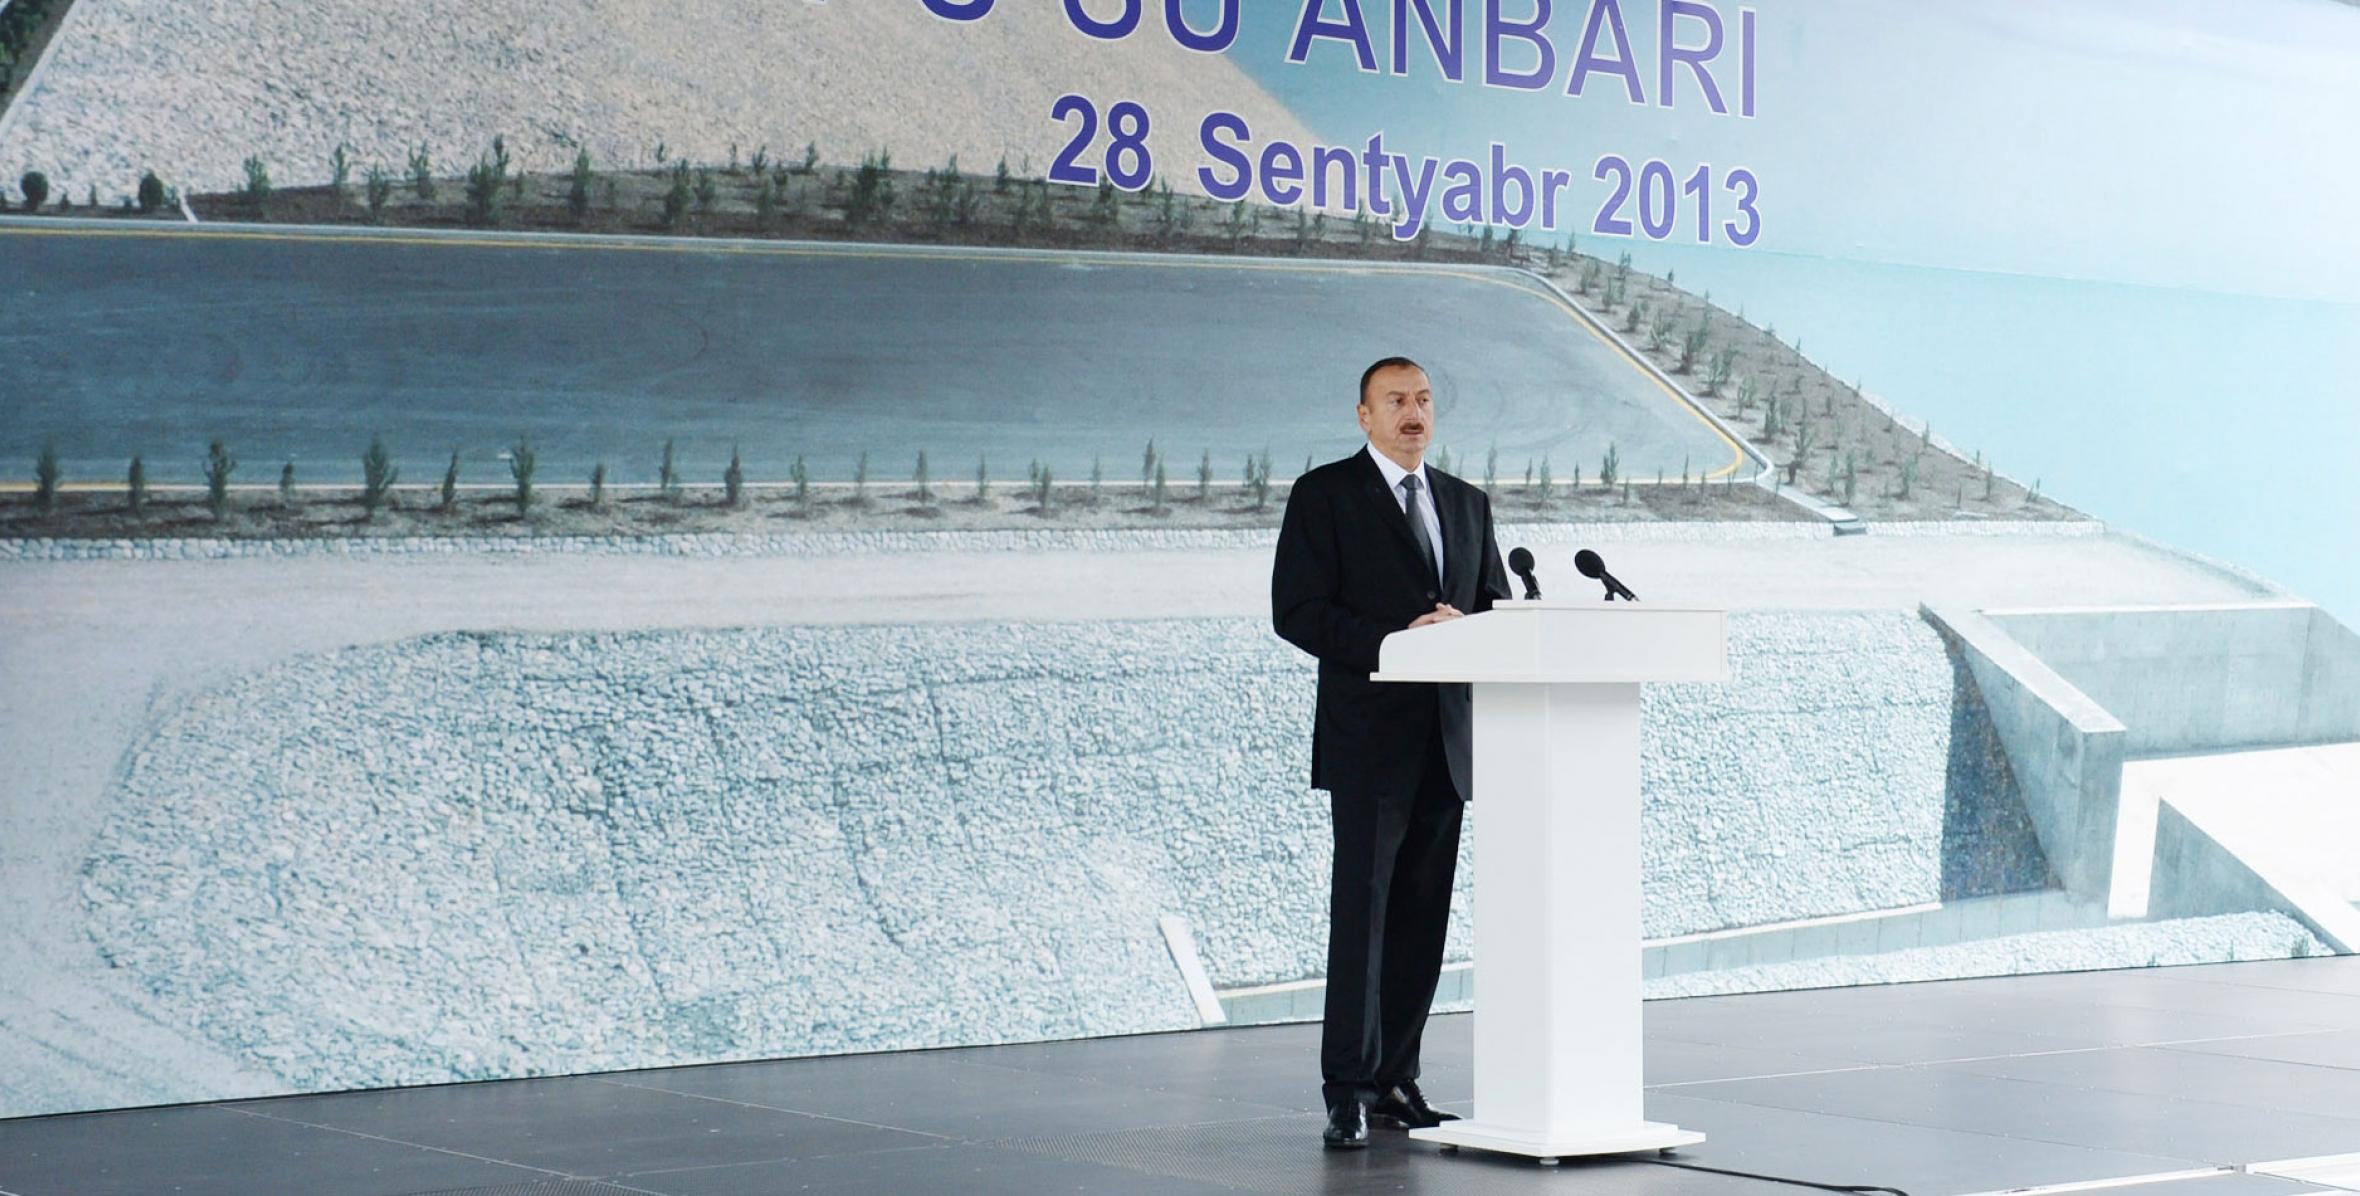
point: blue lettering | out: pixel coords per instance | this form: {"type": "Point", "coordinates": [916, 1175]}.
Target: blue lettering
{"type": "Point", "coordinates": [1502, 174]}
{"type": "Point", "coordinates": [1282, 173]}
{"type": "Point", "coordinates": [1553, 184]}
{"type": "Point", "coordinates": [1745, 62]}
{"type": "Point", "coordinates": [1373, 159]}
{"type": "Point", "coordinates": [1413, 196]}
{"type": "Point", "coordinates": [1497, 29]}
{"type": "Point", "coordinates": [1324, 159]}
{"type": "Point", "coordinates": [1114, 30]}
{"type": "Point", "coordinates": [1669, 51]}
{"type": "Point", "coordinates": [1221, 38]}
{"type": "Point", "coordinates": [1241, 167]}
{"type": "Point", "coordinates": [1448, 48]}
{"type": "Point", "coordinates": [1314, 24]}
{"type": "Point", "coordinates": [1463, 199]}
{"type": "Point", "coordinates": [1606, 16]}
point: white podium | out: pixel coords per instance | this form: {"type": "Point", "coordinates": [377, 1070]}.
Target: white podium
{"type": "Point", "coordinates": [1556, 752]}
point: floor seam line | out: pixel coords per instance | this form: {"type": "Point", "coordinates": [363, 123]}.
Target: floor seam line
{"type": "Point", "coordinates": [792, 1158]}
{"type": "Point", "coordinates": [2160, 1044]}
{"type": "Point", "coordinates": [1919, 1125]}
{"type": "Point", "coordinates": [1780, 1075]}
{"type": "Point", "coordinates": [2120, 1181]}
{"type": "Point", "coordinates": [337, 1129]}
{"type": "Point", "coordinates": [1191, 1125]}
{"type": "Point", "coordinates": [747, 1104]}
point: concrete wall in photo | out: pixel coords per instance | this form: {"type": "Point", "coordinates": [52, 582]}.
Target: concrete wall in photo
{"type": "Point", "coordinates": [2064, 749]}
{"type": "Point", "coordinates": [2194, 679]}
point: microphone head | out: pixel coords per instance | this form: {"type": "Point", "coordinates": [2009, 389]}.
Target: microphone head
{"type": "Point", "coordinates": [1520, 561]}
{"type": "Point", "coordinates": [1589, 563]}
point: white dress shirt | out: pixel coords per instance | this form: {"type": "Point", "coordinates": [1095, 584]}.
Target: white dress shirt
{"type": "Point", "coordinates": [1393, 475]}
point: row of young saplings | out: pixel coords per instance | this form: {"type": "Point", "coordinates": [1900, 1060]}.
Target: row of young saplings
{"type": "Point", "coordinates": [948, 199]}
{"type": "Point", "coordinates": [380, 473]}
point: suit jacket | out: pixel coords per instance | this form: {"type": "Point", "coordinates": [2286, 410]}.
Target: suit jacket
{"type": "Point", "coordinates": [1346, 575]}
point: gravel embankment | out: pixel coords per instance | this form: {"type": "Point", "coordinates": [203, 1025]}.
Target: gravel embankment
{"type": "Point", "coordinates": [477, 854]}
{"type": "Point", "coordinates": [189, 90]}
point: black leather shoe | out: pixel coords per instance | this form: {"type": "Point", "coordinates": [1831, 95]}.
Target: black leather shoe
{"type": "Point", "coordinates": [1347, 1126]}
{"type": "Point", "coordinates": [1405, 1106]}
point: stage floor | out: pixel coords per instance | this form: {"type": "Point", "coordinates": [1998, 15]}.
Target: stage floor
{"type": "Point", "coordinates": [2171, 1081]}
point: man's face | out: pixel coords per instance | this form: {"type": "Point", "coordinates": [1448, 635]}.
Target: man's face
{"type": "Point", "coordinates": [1397, 412]}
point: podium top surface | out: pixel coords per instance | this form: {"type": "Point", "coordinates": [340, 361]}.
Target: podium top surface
{"type": "Point", "coordinates": [1551, 642]}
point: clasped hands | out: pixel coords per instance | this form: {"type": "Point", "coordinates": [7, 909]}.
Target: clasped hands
{"type": "Point", "coordinates": [1441, 611]}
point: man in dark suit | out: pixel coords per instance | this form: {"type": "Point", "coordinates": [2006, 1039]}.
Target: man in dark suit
{"type": "Point", "coordinates": [1370, 545]}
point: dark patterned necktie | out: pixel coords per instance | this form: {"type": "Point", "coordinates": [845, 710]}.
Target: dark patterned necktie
{"type": "Point", "coordinates": [1417, 526]}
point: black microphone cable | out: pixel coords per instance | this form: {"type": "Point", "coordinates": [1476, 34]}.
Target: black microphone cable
{"type": "Point", "coordinates": [1849, 1189]}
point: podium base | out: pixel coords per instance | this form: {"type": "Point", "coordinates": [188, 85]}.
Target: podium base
{"type": "Point", "coordinates": [1647, 1135]}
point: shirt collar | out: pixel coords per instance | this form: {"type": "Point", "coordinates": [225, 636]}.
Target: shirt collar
{"type": "Point", "coordinates": [1394, 473]}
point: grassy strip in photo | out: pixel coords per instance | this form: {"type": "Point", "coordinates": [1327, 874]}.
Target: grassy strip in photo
{"type": "Point", "coordinates": [527, 503]}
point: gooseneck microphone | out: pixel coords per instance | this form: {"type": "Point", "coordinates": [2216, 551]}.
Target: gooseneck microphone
{"type": "Point", "coordinates": [1520, 563]}
{"type": "Point", "coordinates": [1592, 565]}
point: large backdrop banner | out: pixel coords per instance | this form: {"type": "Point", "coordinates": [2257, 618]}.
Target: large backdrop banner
{"type": "Point", "coordinates": [544, 539]}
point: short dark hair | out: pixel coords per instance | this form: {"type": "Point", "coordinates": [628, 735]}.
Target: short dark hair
{"type": "Point", "coordinates": [1384, 363]}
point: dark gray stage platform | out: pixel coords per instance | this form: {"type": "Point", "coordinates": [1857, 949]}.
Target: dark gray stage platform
{"type": "Point", "coordinates": [1960, 1087]}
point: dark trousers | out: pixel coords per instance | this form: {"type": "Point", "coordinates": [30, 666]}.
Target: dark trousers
{"type": "Point", "coordinates": [1388, 913]}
